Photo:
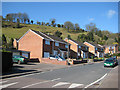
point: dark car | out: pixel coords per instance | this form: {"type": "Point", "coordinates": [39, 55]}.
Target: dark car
{"type": "Point", "coordinates": [19, 59]}
{"type": "Point", "coordinates": [111, 62]}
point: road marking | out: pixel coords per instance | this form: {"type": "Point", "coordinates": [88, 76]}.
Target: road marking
{"type": "Point", "coordinates": [4, 86]}
{"type": "Point", "coordinates": [95, 81]}
{"type": "Point", "coordinates": [38, 83]}
{"type": "Point", "coordinates": [60, 84]}
{"type": "Point", "coordinates": [75, 85]}
{"type": "Point", "coordinates": [56, 79]}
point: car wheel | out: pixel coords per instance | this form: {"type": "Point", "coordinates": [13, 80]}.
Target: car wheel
{"type": "Point", "coordinates": [19, 62]}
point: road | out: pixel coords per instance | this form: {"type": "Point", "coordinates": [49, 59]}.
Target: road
{"type": "Point", "coordinates": [79, 76]}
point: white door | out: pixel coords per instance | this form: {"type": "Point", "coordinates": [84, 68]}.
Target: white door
{"type": "Point", "coordinates": [16, 53]}
{"type": "Point", "coordinates": [46, 54]}
{"type": "Point", "coordinates": [25, 55]}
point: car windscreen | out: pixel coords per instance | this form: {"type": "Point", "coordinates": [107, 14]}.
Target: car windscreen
{"type": "Point", "coordinates": [109, 60]}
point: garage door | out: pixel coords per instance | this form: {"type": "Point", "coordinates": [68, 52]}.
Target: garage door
{"type": "Point", "coordinates": [16, 53]}
{"type": "Point", "coordinates": [25, 55]}
{"type": "Point", "coordinates": [46, 54]}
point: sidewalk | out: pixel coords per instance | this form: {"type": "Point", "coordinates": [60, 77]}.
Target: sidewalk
{"type": "Point", "coordinates": [30, 68]}
{"type": "Point", "coordinates": [111, 81]}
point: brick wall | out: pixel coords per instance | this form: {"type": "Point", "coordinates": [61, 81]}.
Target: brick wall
{"type": "Point", "coordinates": [91, 48]}
{"type": "Point", "coordinates": [54, 61]}
{"type": "Point", "coordinates": [73, 49]}
{"type": "Point", "coordinates": [33, 43]}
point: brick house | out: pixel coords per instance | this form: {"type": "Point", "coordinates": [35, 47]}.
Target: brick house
{"type": "Point", "coordinates": [77, 49]}
{"type": "Point", "coordinates": [96, 49]}
{"type": "Point", "coordinates": [111, 48]}
{"type": "Point", "coordinates": [42, 45]}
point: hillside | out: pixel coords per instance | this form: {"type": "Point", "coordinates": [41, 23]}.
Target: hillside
{"type": "Point", "coordinates": [18, 32]}
{"type": "Point", "coordinates": [11, 32]}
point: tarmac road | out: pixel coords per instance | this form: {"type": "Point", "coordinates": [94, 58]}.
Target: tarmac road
{"type": "Point", "coordinates": [79, 76]}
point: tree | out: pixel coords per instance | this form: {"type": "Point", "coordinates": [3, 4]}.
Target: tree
{"type": "Point", "coordinates": [38, 23]}
{"type": "Point", "coordinates": [58, 33]}
{"type": "Point", "coordinates": [69, 37]}
{"type": "Point", "coordinates": [32, 21]}
{"type": "Point", "coordinates": [53, 22]}
{"type": "Point", "coordinates": [47, 24]}
{"type": "Point", "coordinates": [10, 44]}
{"type": "Point", "coordinates": [18, 23]}
{"type": "Point", "coordinates": [28, 21]}
{"type": "Point", "coordinates": [77, 27]}
{"type": "Point", "coordinates": [91, 27]}
{"type": "Point", "coordinates": [58, 25]}
{"type": "Point", "coordinates": [105, 37]}
{"type": "Point", "coordinates": [25, 17]}
{"type": "Point", "coordinates": [90, 36]}
{"type": "Point", "coordinates": [4, 41]}
{"type": "Point", "coordinates": [68, 25]}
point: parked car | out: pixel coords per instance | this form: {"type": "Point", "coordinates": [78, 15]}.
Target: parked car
{"type": "Point", "coordinates": [19, 59]}
{"type": "Point", "coordinates": [111, 62]}
{"type": "Point", "coordinates": [59, 58]}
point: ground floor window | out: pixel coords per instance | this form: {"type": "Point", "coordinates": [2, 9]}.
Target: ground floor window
{"type": "Point", "coordinates": [46, 54]}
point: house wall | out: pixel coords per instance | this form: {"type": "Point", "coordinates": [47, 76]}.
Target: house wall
{"type": "Point", "coordinates": [33, 43]}
{"type": "Point", "coordinates": [91, 47]}
{"type": "Point", "coordinates": [61, 45]}
{"type": "Point", "coordinates": [73, 49]}
{"type": "Point", "coordinates": [47, 48]}
{"type": "Point", "coordinates": [15, 43]}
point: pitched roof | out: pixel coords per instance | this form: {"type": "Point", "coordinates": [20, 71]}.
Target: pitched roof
{"type": "Point", "coordinates": [94, 44]}
{"type": "Point", "coordinates": [57, 38]}
{"type": "Point", "coordinates": [41, 34]}
{"type": "Point", "coordinates": [50, 37]}
{"type": "Point", "coordinates": [79, 43]}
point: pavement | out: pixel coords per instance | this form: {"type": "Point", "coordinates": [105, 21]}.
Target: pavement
{"type": "Point", "coordinates": [91, 75]}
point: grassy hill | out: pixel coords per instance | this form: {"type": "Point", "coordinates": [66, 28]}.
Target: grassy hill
{"type": "Point", "coordinates": [18, 32]}
{"type": "Point", "coordinates": [11, 32]}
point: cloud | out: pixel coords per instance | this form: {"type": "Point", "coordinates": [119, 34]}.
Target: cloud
{"type": "Point", "coordinates": [91, 19]}
{"type": "Point", "coordinates": [111, 13]}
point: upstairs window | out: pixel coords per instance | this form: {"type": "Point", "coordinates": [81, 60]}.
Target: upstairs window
{"type": "Point", "coordinates": [66, 46]}
{"type": "Point", "coordinates": [56, 44]}
{"type": "Point", "coordinates": [47, 42]}
{"type": "Point", "coordinates": [79, 46]}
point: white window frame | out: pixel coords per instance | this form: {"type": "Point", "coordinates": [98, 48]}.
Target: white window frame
{"type": "Point", "coordinates": [56, 44]}
{"type": "Point", "coordinates": [47, 42]}
{"type": "Point", "coordinates": [66, 46]}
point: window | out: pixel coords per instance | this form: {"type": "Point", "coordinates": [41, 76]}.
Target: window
{"type": "Point", "coordinates": [95, 48]}
{"type": "Point", "coordinates": [66, 46]}
{"type": "Point", "coordinates": [46, 54]}
{"type": "Point", "coordinates": [79, 46]}
{"type": "Point", "coordinates": [112, 47]}
{"type": "Point", "coordinates": [47, 42]}
{"type": "Point", "coordinates": [56, 44]}
{"type": "Point", "coordinates": [109, 47]}
{"type": "Point", "coordinates": [86, 48]}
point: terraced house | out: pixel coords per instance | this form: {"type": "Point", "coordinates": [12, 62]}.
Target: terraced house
{"type": "Point", "coordinates": [77, 49]}
{"type": "Point", "coordinates": [42, 45]}
{"type": "Point", "coordinates": [111, 48]}
{"type": "Point", "coordinates": [95, 49]}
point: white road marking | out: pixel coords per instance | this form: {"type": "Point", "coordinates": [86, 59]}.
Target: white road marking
{"type": "Point", "coordinates": [60, 84]}
{"type": "Point", "coordinates": [37, 83]}
{"type": "Point", "coordinates": [75, 85]}
{"type": "Point", "coordinates": [96, 81]}
{"type": "Point", "coordinates": [4, 86]}
{"type": "Point", "coordinates": [56, 79]}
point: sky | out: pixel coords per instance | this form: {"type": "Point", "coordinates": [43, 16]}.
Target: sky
{"type": "Point", "coordinates": [103, 14]}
